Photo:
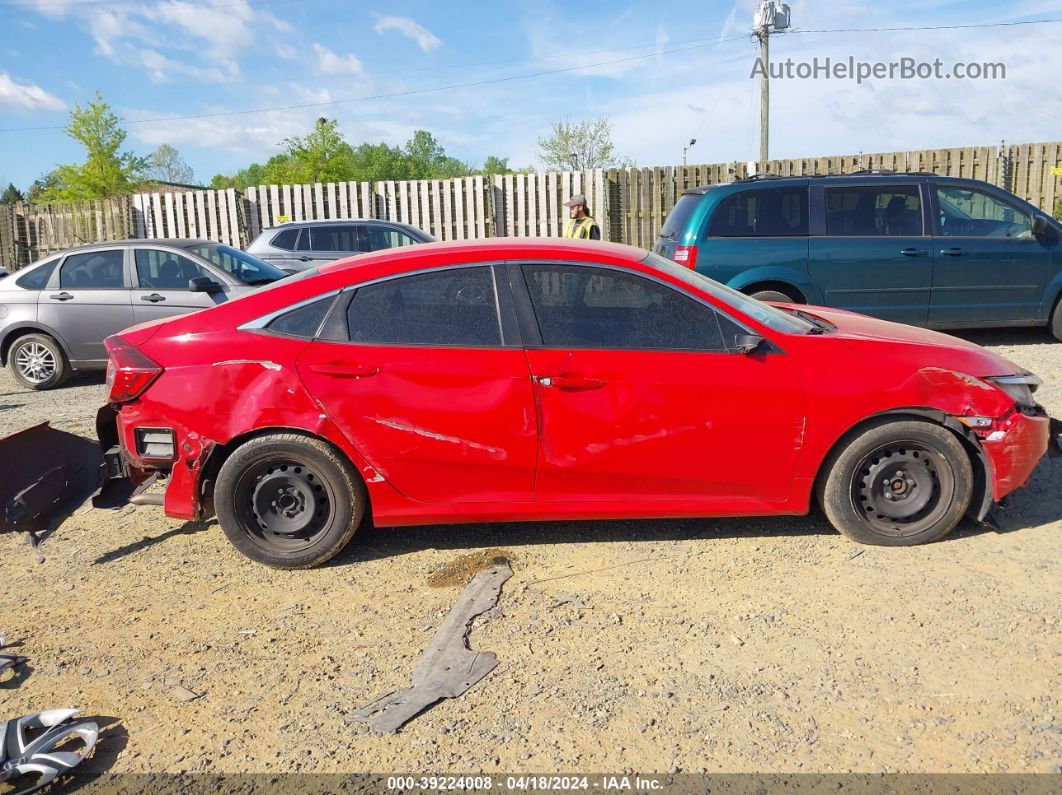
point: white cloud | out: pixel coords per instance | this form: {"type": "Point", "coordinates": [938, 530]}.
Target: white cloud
{"type": "Point", "coordinates": [424, 38]}
{"type": "Point", "coordinates": [287, 52]}
{"type": "Point", "coordinates": [330, 63]}
{"type": "Point", "coordinates": [27, 96]}
{"type": "Point", "coordinates": [226, 26]}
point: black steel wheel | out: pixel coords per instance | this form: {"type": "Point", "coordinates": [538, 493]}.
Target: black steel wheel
{"type": "Point", "coordinates": [288, 501]}
{"type": "Point", "coordinates": [897, 483]}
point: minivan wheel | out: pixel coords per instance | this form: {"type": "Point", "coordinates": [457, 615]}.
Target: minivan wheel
{"type": "Point", "coordinates": [1056, 320]}
{"type": "Point", "coordinates": [898, 483]}
{"type": "Point", "coordinates": [37, 362]}
{"type": "Point", "coordinates": [773, 295]}
{"type": "Point", "coordinates": [288, 501]}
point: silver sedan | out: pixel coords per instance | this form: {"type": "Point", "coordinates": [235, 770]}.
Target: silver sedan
{"type": "Point", "coordinates": [55, 314]}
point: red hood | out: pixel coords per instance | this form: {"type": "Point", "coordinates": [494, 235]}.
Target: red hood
{"type": "Point", "coordinates": [862, 334]}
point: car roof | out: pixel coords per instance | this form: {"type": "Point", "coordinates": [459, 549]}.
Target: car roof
{"type": "Point", "coordinates": [882, 176]}
{"type": "Point", "coordinates": [495, 249]}
{"type": "Point", "coordinates": [176, 242]}
{"type": "Point", "coordinates": [337, 221]}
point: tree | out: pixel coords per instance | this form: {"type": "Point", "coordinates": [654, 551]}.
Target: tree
{"type": "Point", "coordinates": [165, 164]}
{"type": "Point", "coordinates": [573, 146]}
{"type": "Point", "coordinates": [323, 155]}
{"type": "Point", "coordinates": [11, 195]}
{"type": "Point", "coordinates": [42, 186]}
{"type": "Point", "coordinates": [497, 165]}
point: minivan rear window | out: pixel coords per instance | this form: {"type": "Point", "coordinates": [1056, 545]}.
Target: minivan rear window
{"type": "Point", "coordinates": [680, 214]}
{"type": "Point", "coordinates": [762, 212]}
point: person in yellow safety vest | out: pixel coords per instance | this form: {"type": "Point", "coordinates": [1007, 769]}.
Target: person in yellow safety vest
{"type": "Point", "coordinates": [580, 226]}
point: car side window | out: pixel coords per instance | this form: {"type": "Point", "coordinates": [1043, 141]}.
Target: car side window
{"type": "Point", "coordinates": [587, 307]}
{"type": "Point", "coordinates": [452, 308]}
{"type": "Point", "coordinates": [286, 240]}
{"type": "Point", "coordinates": [164, 270]}
{"type": "Point", "coordinates": [874, 211]}
{"type": "Point", "coordinates": [334, 238]}
{"type": "Point", "coordinates": [380, 237]}
{"type": "Point", "coordinates": [95, 270]}
{"type": "Point", "coordinates": [303, 321]}
{"type": "Point", "coordinates": [38, 277]}
{"type": "Point", "coordinates": [763, 212]}
{"type": "Point", "coordinates": [969, 212]}
{"type": "Point", "coordinates": [304, 239]}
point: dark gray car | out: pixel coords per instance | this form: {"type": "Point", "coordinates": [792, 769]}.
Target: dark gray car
{"type": "Point", "coordinates": [56, 313]}
{"type": "Point", "coordinates": [298, 246]}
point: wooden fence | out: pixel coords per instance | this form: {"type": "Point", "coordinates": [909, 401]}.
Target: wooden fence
{"type": "Point", "coordinates": [630, 204]}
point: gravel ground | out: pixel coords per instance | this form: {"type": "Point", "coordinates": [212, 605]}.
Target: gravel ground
{"type": "Point", "coordinates": [752, 645]}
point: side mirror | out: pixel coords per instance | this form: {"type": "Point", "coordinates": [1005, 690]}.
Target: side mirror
{"type": "Point", "coordinates": [204, 284]}
{"type": "Point", "coordinates": [747, 343]}
{"type": "Point", "coordinates": [1039, 226]}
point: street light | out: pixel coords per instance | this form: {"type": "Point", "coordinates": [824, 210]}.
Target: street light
{"type": "Point", "coordinates": [687, 148]}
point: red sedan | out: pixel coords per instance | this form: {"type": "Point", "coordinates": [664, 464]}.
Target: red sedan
{"type": "Point", "coordinates": [515, 380]}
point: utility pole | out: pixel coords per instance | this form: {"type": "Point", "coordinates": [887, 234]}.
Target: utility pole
{"type": "Point", "coordinates": [771, 17]}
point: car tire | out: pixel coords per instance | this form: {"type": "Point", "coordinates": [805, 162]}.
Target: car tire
{"type": "Point", "coordinates": [288, 501]}
{"type": "Point", "coordinates": [774, 295]}
{"type": "Point", "coordinates": [1056, 320]}
{"type": "Point", "coordinates": [37, 361]}
{"type": "Point", "coordinates": [922, 468]}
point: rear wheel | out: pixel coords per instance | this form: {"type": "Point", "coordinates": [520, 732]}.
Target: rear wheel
{"type": "Point", "coordinates": [1056, 320]}
{"type": "Point", "coordinates": [774, 295]}
{"type": "Point", "coordinates": [37, 362]}
{"type": "Point", "coordinates": [898, 483]}
{"type": "Point", "coordinates": [288, 501]}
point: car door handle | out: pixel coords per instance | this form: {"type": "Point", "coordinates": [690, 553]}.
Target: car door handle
{"type": "Point", "coordinates": [305, 259]}
{"type": "Point", "coordinates": [153, 298]}
{"type": "Point", "coordinates": [64, 296]}
{"type": "Point", "coordinates": [953, 252]}
{"type": "Point", "coordinates": [571, 383]}
{"type": "Point", "coordinates": [339, 370]}
{"type": "Point", "coordinates": [913, 252]}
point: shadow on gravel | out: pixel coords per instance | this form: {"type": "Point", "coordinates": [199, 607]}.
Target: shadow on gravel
{"type": "Point", "coordinates": [188, 528]}
{"type": "Point", "coordinates": [18, 675]}
{"type": "Point", "coordinates": [1006, 336]}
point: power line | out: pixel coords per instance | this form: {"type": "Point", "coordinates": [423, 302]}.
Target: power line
{"type": "Point", "coordinates": [410, 92]}
{"type": "Point", "coordinates": [926, 27]}
{"type": "Point", "coordinates": [60, 7]}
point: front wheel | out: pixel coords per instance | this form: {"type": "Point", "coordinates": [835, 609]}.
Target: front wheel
{"type": "Point", "coordinates": [898, 483]}
{"type": "Point", "coordinates": [774, 295]}
{"type": "Point", "coordinates": [288, 501]}
{"type": "Point", "coordinates": [1056, 320]}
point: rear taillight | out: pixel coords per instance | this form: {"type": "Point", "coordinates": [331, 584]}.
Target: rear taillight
{"type": "Point", "coordinates": [686, 255]}
{"type": "Point", "coordinates": [129, 371]}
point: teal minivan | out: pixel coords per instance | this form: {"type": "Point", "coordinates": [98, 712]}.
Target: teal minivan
{"type": "Point", "coordinates": [932, 251]}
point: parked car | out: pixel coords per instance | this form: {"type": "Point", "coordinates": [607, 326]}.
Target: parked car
{"type": "Point", "coordinates": [55, 314]}
{"type": "Point", "coordinates": [3, 271]}
{"type": "Point", "coordinates": [296, 247]}
{"type": "Point", "coordinates": [507, 380]}
{"type": "Point", "coordinates": [917, 248]}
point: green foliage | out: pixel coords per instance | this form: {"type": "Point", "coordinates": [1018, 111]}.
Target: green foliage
{"type": "Point", "coordinates": [324, 155]}
{"type": "Point", "coordinates": [1058, 209]}
{"type": "Point", "coordinates": [107, 171]}
{"type": "Point", "coordinates": [11, 195]}
{"type": "Point", "coordinates": [41, 186]}
{"type": "Point", "coordinates": [573, 146]}
{"type": "Point", "coordinates": [165, 164]}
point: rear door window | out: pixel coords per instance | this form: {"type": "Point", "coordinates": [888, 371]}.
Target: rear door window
{"type": "Point", "coordinates": [96, 270]}
{"type": "Point", "coordinates": [586, 307]}
{"type": "Point", "coordinates": [763, 212]}
{"type": "Point", "coordinates": [445, 308]}
{"type": "Point", "coordinates": [334, 238]}
{"type": "Point", "coordinates": [874, 211]}
{"type": "Point", "coordinates": [380, 237]}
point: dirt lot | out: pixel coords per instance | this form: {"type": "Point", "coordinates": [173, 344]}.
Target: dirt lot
{"type": "Point", "coordinates": [735, 646]}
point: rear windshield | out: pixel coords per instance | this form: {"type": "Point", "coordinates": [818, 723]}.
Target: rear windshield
{"type": "Point", "coordinates": [679, 216]}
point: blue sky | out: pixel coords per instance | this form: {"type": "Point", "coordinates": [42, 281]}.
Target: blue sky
{"type": "Point", "coordinates": [158, 59]}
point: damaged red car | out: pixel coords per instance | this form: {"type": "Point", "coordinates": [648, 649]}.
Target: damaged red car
{"type": "Point", "coordinates": [540, 380]}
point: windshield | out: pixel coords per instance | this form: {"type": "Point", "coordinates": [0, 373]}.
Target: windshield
{"type": "Point", "coordinates": [774, 319]}
{"type": "Point", "coordinates": [242, 266]}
